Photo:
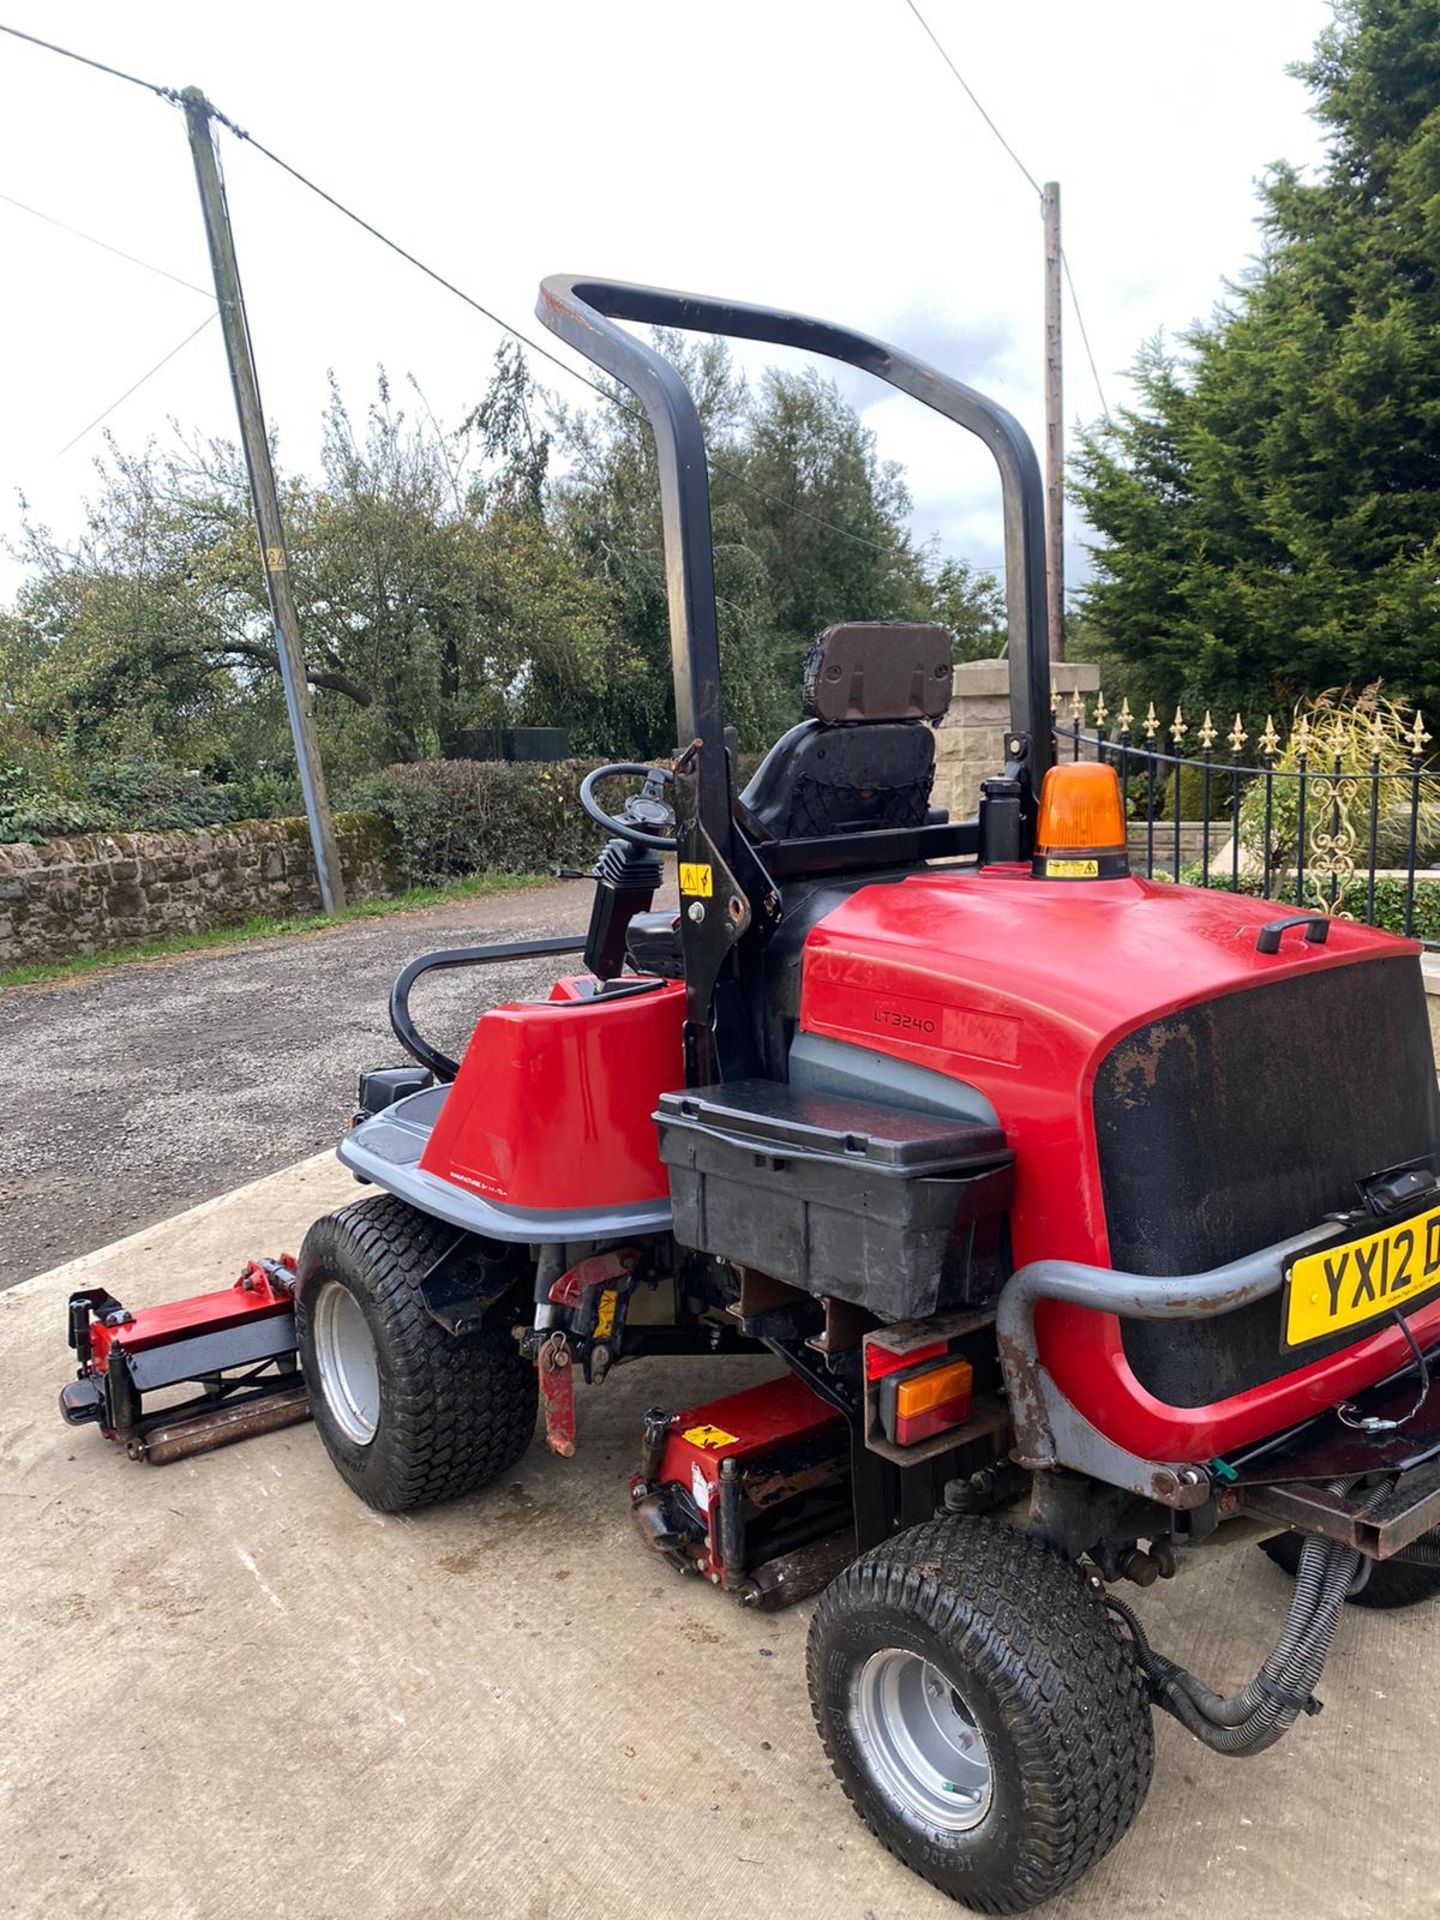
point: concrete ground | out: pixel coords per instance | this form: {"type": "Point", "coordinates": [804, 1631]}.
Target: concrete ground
{"type": "Point", "coordinates": [137, 1091]}
{"type": "Point", "coordinates": [229, 1689]}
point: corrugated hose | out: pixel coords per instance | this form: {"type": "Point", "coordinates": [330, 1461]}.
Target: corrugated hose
{"type": "Point", "coordinates": [1248, 1722]}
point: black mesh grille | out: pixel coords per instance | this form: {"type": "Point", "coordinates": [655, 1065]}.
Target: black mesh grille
{"type": "Point", "coordinates": [1231, 1124]}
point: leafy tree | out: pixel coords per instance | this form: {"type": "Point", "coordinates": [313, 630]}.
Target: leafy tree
{"type": "Point", "coordinates": [509, 572]}
{"type": "Point", "coordinates": [1270, 506]}
{"type": "Point", "coordinates": [808, 525]}
{"type": "Point", "coordinates": [969, 601]}
{"type": "Point", "coordinates": [430, 603]}
{"type": "Point", "coordinates": [608, 513]}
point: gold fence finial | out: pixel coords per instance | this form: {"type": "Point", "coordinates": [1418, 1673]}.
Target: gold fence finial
{"type": "Point", "coordinates": [1237, 737]}
{"type": "Point", "coordinates": [1417, 736]}
{"type": "Point", "coordinates": [1301, 736]}
{"type": "Point", "coordinates": [1054, 699]}
{"type": "Point", "coordinates": [1125, 719]}
{"type": "Point", "coordinates": [1077, 707]}
{"type": "Point", "coordinates": [1178, 728]}
{"type": "Point", "coordinates": [1269, 739]}
{"type": "Point", "coordinates": [1207, 735]}
{"type": "Point", "coordinates": [1102, 712]}
{"type": "Point", "coordinates": [1152, 724]}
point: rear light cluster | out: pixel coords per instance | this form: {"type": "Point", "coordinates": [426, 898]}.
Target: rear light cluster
{"type": "Point", "coordinates": [921, 1394]}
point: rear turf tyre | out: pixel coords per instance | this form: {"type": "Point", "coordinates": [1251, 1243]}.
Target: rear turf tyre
{"type": "Point", "coordinates": [986, 1719]}
{"type": "Point", "coordinates": [409, 1414]}
{"type": "Point", "coordinates": [1392, 1583]}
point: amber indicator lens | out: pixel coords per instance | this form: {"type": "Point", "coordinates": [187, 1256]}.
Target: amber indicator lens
{"type": "Point", "coordinates": [926, 1400]}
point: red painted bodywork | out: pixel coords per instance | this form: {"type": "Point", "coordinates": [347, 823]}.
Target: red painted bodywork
{"type": "Point", "coordinates": [1021, 987]}
{"type": "Point", "coordinates": [551, 1107]}
{"type": "Point", "coordinates": [253, 1297]}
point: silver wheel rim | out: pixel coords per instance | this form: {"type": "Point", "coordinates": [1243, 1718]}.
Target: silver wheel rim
{"type": "Point", "coordinates": [348, 1364]}
{"type": "Point", "coordinates": [921, 1742]}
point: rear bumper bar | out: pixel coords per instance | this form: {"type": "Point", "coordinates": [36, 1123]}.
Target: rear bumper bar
{"type": "Point", "coordinates": [1049, 1430]}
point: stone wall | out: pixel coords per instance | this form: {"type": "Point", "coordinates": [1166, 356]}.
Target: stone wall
{"type": "Point", "coordinates": [105, 890]}
{"type": "Point", "coordinates": [970, 743]}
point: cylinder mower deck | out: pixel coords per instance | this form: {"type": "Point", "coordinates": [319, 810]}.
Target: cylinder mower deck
{"type": "Point", "coordinates": [751, 1491]}
{"type": "Point", "coordinates": [237, 1345]}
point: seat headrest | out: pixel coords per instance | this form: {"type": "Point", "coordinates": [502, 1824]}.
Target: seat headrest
{"type": "Point", "coordinates": [879, 670]}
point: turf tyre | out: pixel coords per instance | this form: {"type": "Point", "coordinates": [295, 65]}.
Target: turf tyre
{"type": "Point", "coordinates": [1050, 1683]}
{"type": "Point", "coordinates": [1392, 1583]}
{"type": "Point", "coordinates": [452, 1412]}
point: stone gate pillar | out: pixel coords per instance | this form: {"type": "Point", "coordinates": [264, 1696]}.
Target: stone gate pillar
{"type": "Point", "coordinates": [970, 741]}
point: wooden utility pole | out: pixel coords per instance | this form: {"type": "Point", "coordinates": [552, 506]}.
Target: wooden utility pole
{"type": "Point", "coordinates": [1054, 426]}
{"type": "Point", "coordinates": [266, 501]}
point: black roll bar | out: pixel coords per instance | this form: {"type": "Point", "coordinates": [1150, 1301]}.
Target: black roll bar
{"type": "Point", "coordinates": [582, 311]}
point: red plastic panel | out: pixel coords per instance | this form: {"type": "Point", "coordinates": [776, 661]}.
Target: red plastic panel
{"type": "Point", "coordinates": [552, 1104]}
{"type": "Point", "coordinates": [1021, 987]}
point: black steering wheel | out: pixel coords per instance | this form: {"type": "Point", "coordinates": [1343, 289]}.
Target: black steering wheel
{"type": "Point", "coordinates": [647, 819]}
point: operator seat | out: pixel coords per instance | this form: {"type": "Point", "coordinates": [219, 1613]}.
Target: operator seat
{"type": "Point", "coordinates": [862, 759]}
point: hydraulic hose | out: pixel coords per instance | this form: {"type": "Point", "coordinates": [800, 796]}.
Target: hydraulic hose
{"type": "Point", "coordinates": [1248, 1722]}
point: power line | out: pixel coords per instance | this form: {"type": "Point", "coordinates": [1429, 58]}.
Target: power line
{"type": "Point", "coordinates": [519, 334]}
{"type": "Point", "coordinates": [171, 95]}
{"type": "Point", "coordinates": [95, 241]}
{"type": "Point", "coordinates": [84, 60]}
{"type": "Point", "coordinates": [1084, 336]}
{"type": "Point", "coordinates": [1034, 184]}
{"type": "Point", "coordinates": [139, 383]}
{"type": "Point", "coordinates": [432, 273]}
{"type": "Point", "coordinates": [974, 98]}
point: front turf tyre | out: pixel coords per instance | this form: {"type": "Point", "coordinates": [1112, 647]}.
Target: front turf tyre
{"type": "Point", "coordinates": [409, 1413]}
{"type": "Point", "coordinates": [986, 1719]}
{"type": "Point", "coordinates": [1391, 1583]}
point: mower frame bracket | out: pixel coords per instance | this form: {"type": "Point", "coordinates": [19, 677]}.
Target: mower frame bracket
{"type": "Point", "coordinates": [1386, 1527]}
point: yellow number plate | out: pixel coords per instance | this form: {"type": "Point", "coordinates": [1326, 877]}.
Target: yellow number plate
{"type": "Point", "coordinates": [1358, 1281]}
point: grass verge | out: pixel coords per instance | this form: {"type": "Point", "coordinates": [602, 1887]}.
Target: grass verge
{"type": "Point", "coordinates": [265, 927]}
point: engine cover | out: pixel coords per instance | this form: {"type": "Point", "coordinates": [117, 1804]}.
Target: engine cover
{"type": "Point", "coordinates": [1073, 1008]}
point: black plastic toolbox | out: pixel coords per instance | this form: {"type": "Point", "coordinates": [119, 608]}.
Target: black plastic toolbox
{"type": "Point", "coordinates": [864, 1202]}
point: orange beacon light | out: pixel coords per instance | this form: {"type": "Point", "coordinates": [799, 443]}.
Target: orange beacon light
{"type": "Point", "coordinates": [1081, 832]}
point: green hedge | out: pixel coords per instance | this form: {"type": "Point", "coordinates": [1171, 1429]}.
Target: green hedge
{"type": "Point", "coordinates": [458, 817]}
{"type": "Point", "coordinates": [1389, 899]}
{"type": "Point", "coordinates": [123, 796]}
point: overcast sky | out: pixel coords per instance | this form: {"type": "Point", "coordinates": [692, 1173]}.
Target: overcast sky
{"type": "Point", "coordinates": [807, 153]}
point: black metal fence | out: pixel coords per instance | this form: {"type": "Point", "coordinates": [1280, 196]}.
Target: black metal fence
{"type": "Point", "coordinates": [1342, 816]}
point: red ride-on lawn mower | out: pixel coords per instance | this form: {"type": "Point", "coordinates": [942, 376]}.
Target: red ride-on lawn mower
{"type": "Point", "coordinates": [1086, 1246]}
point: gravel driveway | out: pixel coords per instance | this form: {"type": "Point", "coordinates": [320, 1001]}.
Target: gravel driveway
{"type": "Point", "coordinates": [134, 1093]}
